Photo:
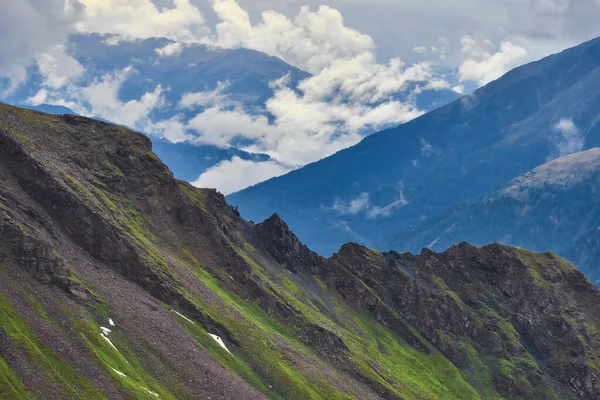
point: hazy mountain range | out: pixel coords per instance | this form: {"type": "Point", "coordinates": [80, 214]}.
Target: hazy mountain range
{"type": "Point", "coordinates": [233, 78]}
{"type": "Point", "coordinates": [400, 178]}
{"type": "Point", "coordinates": [553, 208]}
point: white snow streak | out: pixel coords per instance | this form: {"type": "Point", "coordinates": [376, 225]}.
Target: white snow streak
{"type": "Point", "coordinates": [220, 341]}
{"type": "Point", "coordinates": [109, 342]}
{"type": "Point", "coordinates": [183, 316]}
{"type": "Point", "coordinates": [151, 392]}
{"type": "Point", "coordinates": [437, 239]}
{"type": "Point", "coordinates": [104, 330]}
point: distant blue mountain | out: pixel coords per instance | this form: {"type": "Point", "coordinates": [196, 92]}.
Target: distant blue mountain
{"type": "Point", "coordinates": [196, 69]}
{"type": "Point", "coordinates": [399, 177]}
{"type": "Point", "coordinates": [555, 207]}
{"type": "Point", "coordinates": [50, 109]}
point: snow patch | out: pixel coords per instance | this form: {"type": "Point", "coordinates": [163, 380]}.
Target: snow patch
{"type": "Point", "coordinates": [104, 330]}
{"type": "Point", "coordinates": [119, 372]}
{"type": "Point", "coordinates": [151, 392]}
{"type": "Point", "coordinates": [110, 321]}
{"type": "Point", "coordinates": [220, 341]}
{"type": "Point", "coordinates": [109, 342]}
{"type": "Point", "coordinates": [183, 316]}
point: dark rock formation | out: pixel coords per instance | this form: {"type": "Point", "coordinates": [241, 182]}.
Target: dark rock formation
{"type": "Point", "coordinates": [114, 276]}
{"type": "Point", "coordinates": [279, 241]}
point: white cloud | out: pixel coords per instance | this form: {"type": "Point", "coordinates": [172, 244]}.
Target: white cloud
{"type": "Point", "coordinates": [13, 79]}
{"type": "Point", "coordinates": [362, 203]}
{"type": "Point", "coordinates": [482, 66]}
{"type": "Point", "coordinates": [570, 139]}
{"type": "Point", "coordinates": [362, 79]}
{"type": "Point", "coordinates": [220, 127]}
{"type": "Point", "coordinates": [310, 41]}
{"type": "Point", "coordinates": [58, 68]}
{"type": "Point", "coordinates": [427, 148]}
{"type": "Point", "coordinates": [140, 19]}
{"type": "Point", "coordinates": [205, 99]}
{"type": "Point", "coordinates": [357, 205]}
{"type": "Point", "coordinates": [327, 112]}
{"type": "Point", "coordinates": [173, 130]}
{"type": "Point", "coordinates": [101, 99]}
{"type": "Point", "coordinates": [170, 49]}
{"type": "Point", "coordinates": [307, 129]}
{"type": "Point", "coordinates": [233, 175]}
{"type": "Point", "coordinates": [387, 210]}
{"type": "Point", "coordinates": [29, 28]}
{"type": "Point", "coordinates": [566, 126]}
{"type": "Point", "coordinates": [460, 89]}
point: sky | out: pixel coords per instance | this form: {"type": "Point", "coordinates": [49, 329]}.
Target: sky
{"type": "Point", "coordinates": [361, 53]}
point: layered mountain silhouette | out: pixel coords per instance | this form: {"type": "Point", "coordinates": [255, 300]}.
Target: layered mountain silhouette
{"type": "Point", "coordinates": [119, 281]}
{"type": "Point", "coordinates": [243, 77]}
{"type": "Point", "coordinates": [398, 178]}
{"type": "Point", "coordinates": [554, 207]}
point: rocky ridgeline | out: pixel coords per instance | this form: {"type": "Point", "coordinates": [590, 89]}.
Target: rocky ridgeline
{"type": "Point", "coordinates": [118, 281]}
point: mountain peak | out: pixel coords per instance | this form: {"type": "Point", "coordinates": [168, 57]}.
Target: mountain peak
{"type": "Point", "coordinates": [279, 241]}
{"type": "Point", "coordinates": [565, 171]}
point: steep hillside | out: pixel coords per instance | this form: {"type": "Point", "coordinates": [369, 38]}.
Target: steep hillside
{"type": "Point", "coordinates": [455, 154]}
{"type": "Point", "coordinates": [555, 207]}
{"type": "Point", "coordinates": [187, 161]}
{"type": "Point", "coordinates": [118, 281]}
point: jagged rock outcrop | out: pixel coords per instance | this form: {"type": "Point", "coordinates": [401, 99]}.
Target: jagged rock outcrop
{"type": "Point", "coordinates": [533, 314]}
{"type": "Point", "coordinates": [281, 243]}
{"type": "Point", "coordinates": [118, 281]}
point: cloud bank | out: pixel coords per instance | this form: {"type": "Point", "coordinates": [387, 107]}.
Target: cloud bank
{"type": "Point", "coordinates": [29, 28]}
{"type": "Point", "coordinates": [142, 19]}
{"type": "Point", "coordinates": [484, 65]}
{"type": "Point", "coordinates": [349, 95]}
{"type": "Point", "coordinates": [356, 87]}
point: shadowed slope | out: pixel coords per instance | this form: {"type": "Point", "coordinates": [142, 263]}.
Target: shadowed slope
{"type": "Point", "coordinates": [119, 281]}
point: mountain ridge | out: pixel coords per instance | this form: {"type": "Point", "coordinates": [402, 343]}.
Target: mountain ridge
{"type": "Point", "coordinates": [230, 78]}
{"type": "Point", "coordinates": [119, 281]}
{"type": "Point", "coordinates": [454, 154]}
{"type": "Point", "coordinates": [553, 207]}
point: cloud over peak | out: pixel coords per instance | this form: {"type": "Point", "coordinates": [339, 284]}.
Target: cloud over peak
{"type": "Point", "coordinates": [355, 87]}
{"type": "Point", "coordinates": [566, 137]}
{"type": "Point", "coordinates": [141, 19]}
{"type": "Point", "coordinates": [486, 63]}
{"type": "Point", "coordinates": [311, 41]}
